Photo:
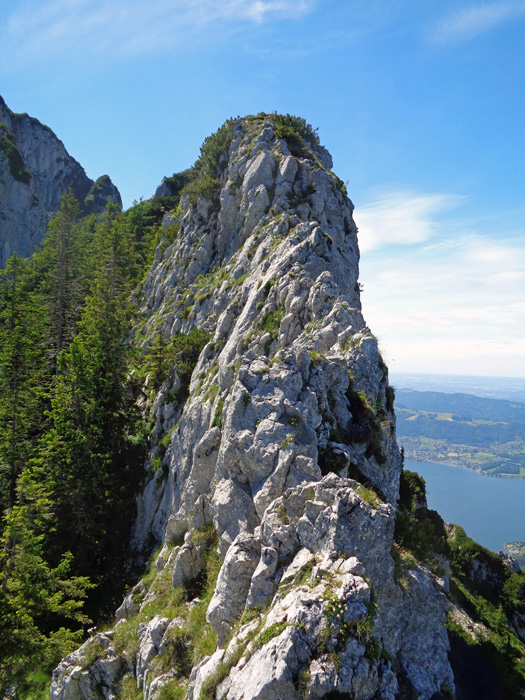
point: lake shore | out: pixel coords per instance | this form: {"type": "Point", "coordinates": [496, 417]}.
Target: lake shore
{"type": "Point", "coordinates": [490, 509]}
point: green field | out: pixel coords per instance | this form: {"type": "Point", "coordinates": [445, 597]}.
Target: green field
{"type": "Point", "coordinates": [487, 435]}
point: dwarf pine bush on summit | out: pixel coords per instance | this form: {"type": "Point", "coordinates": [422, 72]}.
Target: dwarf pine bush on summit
{"type": "Point", "coordinates": [204, 175]}
{"type": "Point", "coordinates": [294, 130]}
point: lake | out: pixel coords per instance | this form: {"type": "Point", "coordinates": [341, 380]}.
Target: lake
{"type": "Point", "coordinates": [491, 510]}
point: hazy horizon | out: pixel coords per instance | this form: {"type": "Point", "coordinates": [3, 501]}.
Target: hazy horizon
{"type": "Point", "coordinates": [508, 388]}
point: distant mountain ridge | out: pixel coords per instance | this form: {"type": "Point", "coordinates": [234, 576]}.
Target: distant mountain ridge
{"type": "Point", "coordinates": [484, 434]}
{"type": "Point", "coordinates": [509, 388]}
{"type": "Point", "coordinates": [462, 404]}
{"type": "Point", "coordinates": [35, 171]}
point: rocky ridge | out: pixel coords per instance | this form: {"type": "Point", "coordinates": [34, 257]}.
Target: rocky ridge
{"type": "Point", "coordinates": [273, 477]}
{"type": "Point", "coordinates": [35, 171]}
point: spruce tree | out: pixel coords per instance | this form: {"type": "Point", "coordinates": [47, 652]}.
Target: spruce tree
{"type": "Point", "coordinates": [61, 270]}
{"type": "Point", "coordinates": [37, 600]}
{"type": "Point", "coordinates": [22, 374]}
{"type": "Point", "coordinates": [89, 456]}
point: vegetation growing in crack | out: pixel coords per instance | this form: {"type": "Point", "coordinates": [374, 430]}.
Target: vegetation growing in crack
{"type": "Point", "coordinates": [271, 321]}
{"type": "Point", "coordinates": [283, 515]}
{"type": "Point", "coordinates": [315, 357]}
{"type": "Point", "coordinates": [217, 420]}
{"type": "Point", "coordinates": [266, 291]}
{"type": "Point", "coordinates": [340, 185]}
{"type": "Point", "coordinates": [225, 666]}
{"type": "Point", "coordinates": [361, 629]}
{"type": "Point", "coordinates": [190, 641]}
{"type": "Point", "coordinates": [13, 155]}
{"type": "Point", "coordinates": [92, 653]}
{"type": "Point", "coordinates": [419, 530]}
{"type": "Point", "coordinates": [233, 656]}
{"type": "Point", "coordinates": [369, 496]}
{"type": "Point", "coordinates": [270, 633]}
{"type": "Point", "coordinates": [180, 353]}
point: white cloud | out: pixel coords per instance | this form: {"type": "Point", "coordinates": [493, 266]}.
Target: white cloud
{"type": "Point", "coordinates": [470, 22]}
{"type": "Point", "coordinates": [484, 251]}
{"type": "Point", "coordinates": [398, 218]}
{"type": "Point", "coordinates": [259, 10]}
{"type": "Point", "coordinates": [453, 303]}
{"type": "Point", "coordinates": [447, 355]}
{"type": "Point", "coordinates": [88, 27]}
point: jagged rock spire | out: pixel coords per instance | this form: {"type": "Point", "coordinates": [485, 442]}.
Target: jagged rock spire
{"type": "Point", "coordinates": [285, 445]}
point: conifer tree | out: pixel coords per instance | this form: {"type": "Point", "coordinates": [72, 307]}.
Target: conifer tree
{"type": "Point", "coordinates": [89, 456]}
{"type": "Point", "coordinates": [36, 600]}
{"type": "Point", "coordinates": [60, 270]}
{"type": "Point", "coordinates": [22, 378]}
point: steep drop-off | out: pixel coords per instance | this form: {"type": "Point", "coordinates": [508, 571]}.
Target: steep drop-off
{"type": "Point", "coordinates": [274, 472]}
{"type": "Point", "coordinates": [35, 171]}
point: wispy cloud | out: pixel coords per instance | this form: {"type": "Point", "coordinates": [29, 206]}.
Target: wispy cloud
{"type": "Point", "coordinates": [452, 303]}
{"type": "Point", "coordinates": [478, 19]}
{"type": "Point", "coordinates": [400, 218]}
{"type": "Point", "coordinates": [123, 27]}
{"type": "Point", "coordinates": [261, 9]}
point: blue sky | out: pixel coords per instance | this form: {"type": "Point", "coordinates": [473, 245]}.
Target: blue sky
{"type": "Point", "coordinates": [420, 103]}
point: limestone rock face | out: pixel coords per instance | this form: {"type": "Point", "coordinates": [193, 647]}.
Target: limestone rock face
{"type": "Point", "coordinates": [35, 171]}
{"type": "Point", "coordinates": [90, 673]}
{"type": "Point", "coordinates": [285, 447]}
{"type": "Point", "coordinates": [292, 364]}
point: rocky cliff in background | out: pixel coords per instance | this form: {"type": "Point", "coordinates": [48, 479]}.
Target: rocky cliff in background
{"type": "Point", "coordinates": [274, 472]}
{"type": "Point", "coordinates": [35, 171]}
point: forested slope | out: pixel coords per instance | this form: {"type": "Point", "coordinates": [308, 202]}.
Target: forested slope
{"type": "Point", "coordinates": [72, 440]}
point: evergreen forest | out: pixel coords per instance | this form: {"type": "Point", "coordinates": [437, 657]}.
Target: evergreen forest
{"type": "Point", "coordinates": [72, 441]}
